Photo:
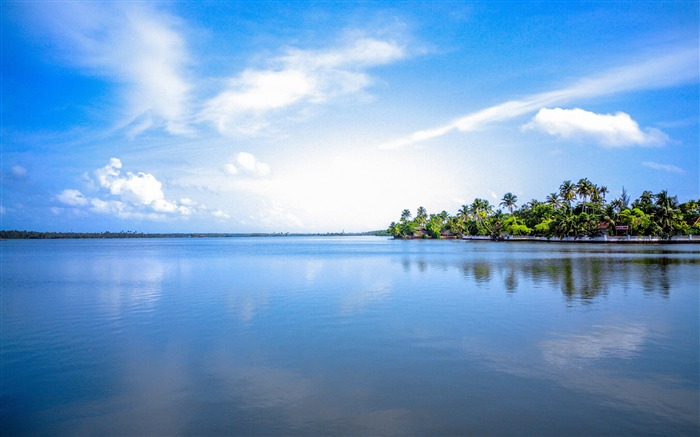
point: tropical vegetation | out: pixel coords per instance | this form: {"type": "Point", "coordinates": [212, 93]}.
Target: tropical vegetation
{"type": "Point", "coordinates": [575, 210]}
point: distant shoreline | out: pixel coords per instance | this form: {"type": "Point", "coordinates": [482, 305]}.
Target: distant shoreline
{"type": "Point", "coordinates": [38, 235]}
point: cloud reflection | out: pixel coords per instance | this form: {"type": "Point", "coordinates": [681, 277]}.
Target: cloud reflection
{"type": "Point", "coordinates": [575, 361]}
{"type": "Point", "coordinates": [292, 401]}
{"type": "Point", "coordinates": [130, 285]}
{"type": "Point", "coordinates": [575, 350]}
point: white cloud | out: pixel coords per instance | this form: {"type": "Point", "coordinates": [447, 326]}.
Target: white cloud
{"type": "Point", "coordinates": [312, 76]}
{"type": "Point", "coordinates": [220, 214]}
{"type": "Point", "coordinates": [250, 164]}
{"type": "Point", "coordinates": [247, 163]}
{"type": "Point", "coordinates": [138, 188]}
{"type": "Point", "coordinates": [139, 47]}
{"type": "Point", "coordinates": [129, 195]}
{"type": "Point", "coordinates": [142, 49]}
{"type": "Point", "coordinates": [613, 130]}
{"type": "Point", "coordinates": [663, 167]}
{"type": "Point", "coordinates": [72, 198]}
{"type": "Point", "coordinates": [660, 71]}
{"type": "Point", "coordinates": [231, 169]}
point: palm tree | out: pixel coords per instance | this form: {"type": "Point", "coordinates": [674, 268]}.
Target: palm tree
{"type": "Point", "coordinates": [509, 200]}
{"type": "Point", "coordinates": [610, 215]}
{"type": "Point", "coordinates": [435, 225]}
{"type": "Point", "coordinates": [651, 214]}
{"type": "Point", "coordinates": [553, 199]}
{"type": "Point", "coordinates": [603, 190]}
{"type": "Point", "coordinates": [645, 202]}
{"type": "Point", "coordinates": [480, 210]}
{"type": "Point", "coordinates": [421, 216]}
{"type": "Point", "coordinates": [408, 228]}
{"type": "Point", "coordinates": [564, 223]}
{"type": "Point", "coordinates": [584, 188]}
{"type": "Point", "coordinates": [595, 195]}
{"type": "Point", "coordinates": [463, 213]}
{"type": "Point", "coordinates": [481, 207]}
{"type": "Point", "coordinates": [567, 192]}
{"type": "Point", "coordinates": [456, 226]}
{"type": "Point", "coordinates": [395, 229]}
{"type": "Point", "coordinates": [665, 212]}
{"type": "Point", "coordinates": [533, 203]}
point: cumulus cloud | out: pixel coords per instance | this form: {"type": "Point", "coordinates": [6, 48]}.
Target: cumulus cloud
{"type": "Point", "coordinates": [612, 130]}
{"type": "Point", "coordinates": [247, 163]}
{"type": "Point", "coordinates": [135, 188]}
{"type": "Point", "coordinates": [312, 76]}
{"type": "Point", "coordinates": [663, 167]}
{"type": "Point", "coordinates": [129, 195]}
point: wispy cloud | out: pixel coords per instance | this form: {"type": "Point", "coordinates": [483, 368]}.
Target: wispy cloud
{"type": "Point", "coordinates": [142, 49]}
{"type": "Point", "coordinates": [19, 171]}
{"type": "Point", "coordinates": [309, 76]}
{"type": "Point", "coordinates": [612, 130]}
{"type": "Point", "coordinates": [663, 167]}
{"type": "Point", "coordinates": [135, 45]}
{"type": "Point", "coordinates": [661, 71]}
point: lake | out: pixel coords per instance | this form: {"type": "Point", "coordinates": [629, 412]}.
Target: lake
{"type": "Point", "coordinates": [349, 336]}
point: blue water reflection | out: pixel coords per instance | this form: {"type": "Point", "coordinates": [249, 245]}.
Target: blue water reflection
{"type": "Point", "coordinates": [348, 336]}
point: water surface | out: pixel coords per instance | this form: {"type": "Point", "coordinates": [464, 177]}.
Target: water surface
{"type": "Point", "coordinates": [348, 336]}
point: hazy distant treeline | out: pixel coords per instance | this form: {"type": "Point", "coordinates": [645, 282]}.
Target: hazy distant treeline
{"type": "Point", "coordinates": [36, 235]}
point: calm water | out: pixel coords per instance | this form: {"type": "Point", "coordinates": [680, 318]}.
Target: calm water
{"type": "Point", "coordinates": [348, 336]}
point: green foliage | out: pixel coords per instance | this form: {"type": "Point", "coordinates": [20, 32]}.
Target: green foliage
{"type": "Point", "coordinates": [650, 215]}
{"type": "Point", "coordinates": [544, 228]}
{"type": "Point", "coordinates": [434, 226]}
{"type": "Point", "coordinates": [514, 226]}
{"type": "Point", "coordinates": [421, 217]}
{"type": "Point", "coordinates": [638, 221]}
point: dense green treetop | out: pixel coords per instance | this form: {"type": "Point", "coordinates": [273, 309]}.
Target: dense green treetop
{"type": "Point", "coordinates": [574, 210]}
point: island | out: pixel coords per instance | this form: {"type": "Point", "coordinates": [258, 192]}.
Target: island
{"type": "Point", "coordinates": [575, 212]}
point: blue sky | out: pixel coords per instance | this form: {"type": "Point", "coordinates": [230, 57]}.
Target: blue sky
{"type": "Point", "coordinates": [330, 116]}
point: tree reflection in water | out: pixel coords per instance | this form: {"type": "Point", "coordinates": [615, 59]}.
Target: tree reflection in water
{"type": "Point", "coordinates": [580, 278]}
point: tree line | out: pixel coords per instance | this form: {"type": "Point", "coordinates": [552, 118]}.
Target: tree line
{"type": "Point", "coordinates": [575, 210]}
{"type": "Point", "coordinates": [14, 234]}
{"type": "Point", "coordinates": [38, 235]}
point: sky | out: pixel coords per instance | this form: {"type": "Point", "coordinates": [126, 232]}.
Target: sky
{"type": "Point", "coordinates": [233, 116]}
